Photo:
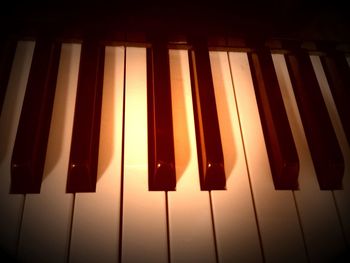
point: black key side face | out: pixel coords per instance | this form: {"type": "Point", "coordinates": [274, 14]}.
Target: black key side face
{"type": "Point", "coordinates": [209, 148]}
{"type": "Point", "coordinates": [82, 170]}
{"type": "Point", "coordinates": [28, 158]}
{"type": "Point", "coordinates": [283, 157]}
{"type": "Point", "coordinates": [337, 72]}
{"type": "Point", "coordinates": [324, 147]}
{"type": "Point", "coordinates": [161, 161]}
{"type": "Point", "coordinates": [7, 53]}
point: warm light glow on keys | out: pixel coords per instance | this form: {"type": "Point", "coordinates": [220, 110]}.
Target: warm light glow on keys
{"type": "Point", "coordinates": [144, 233]}
{"type": "Point", "coordinates": [184, 131]}
{"type": "Point", "coordinates": [11, 205]}
{"type": "Point", "coordinates": [190, 225]}
{"type": "Point", "coordinates": [235, 224]}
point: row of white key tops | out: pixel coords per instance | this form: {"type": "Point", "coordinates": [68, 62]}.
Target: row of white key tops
{"type": "Point", "coordinates": [123, 221]}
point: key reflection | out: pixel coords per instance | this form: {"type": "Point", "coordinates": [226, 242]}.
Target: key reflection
{"type": "Point", "coordinates": [108, 121]}
{"type": "Point", "coordinates": [66, 79]}
{"type": "Point", "coordinates": [225, 122]}
{"type": "Point", "coordinates": [181, 133]}
{"type": "Point", "coordinates": [14, 96]}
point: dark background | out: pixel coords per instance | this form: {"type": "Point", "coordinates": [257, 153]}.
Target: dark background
{"type": "Point", "coordinates": [307, 20]}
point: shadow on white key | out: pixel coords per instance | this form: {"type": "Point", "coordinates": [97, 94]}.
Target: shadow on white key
{"type": "Point", "coordinates": [144, 228]}
{"type": "Point", "coordinates": [277, 216]}
{"type": "Point", "coordinates": [235, 224]}
{"type": "Point", "coordinates": [318, 215]}
{"type": "Point", "coordinates": [46, 222]}
{"type": "Point", "coordinates": [190, 223]}
{"type": "Point", "coordinates": [96, 219]}
{"type": "Point", "coordinates": [342, 197]}
{"type": "Point", "coordinates": [11, 205]}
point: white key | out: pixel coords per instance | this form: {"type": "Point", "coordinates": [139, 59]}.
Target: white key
{"type": "Point", "coordinates": [190, 223]}
{"type": "Point", "coordinates": [95, 228]}
{"type": "Point", "coordinates": [11, 205]}
{"type": "Point", "coordinates": [46, 222]}
{"type": "Point", "coordinates": [342, 197]}
{"type": "Point", "coordinates": [276, 212]}
{"type": "Point", "coordinates": [235, 225]}
{"type": "Point", "coordinates": [144, 227]}
{"type": "Point", "coordinates": [317, 210]}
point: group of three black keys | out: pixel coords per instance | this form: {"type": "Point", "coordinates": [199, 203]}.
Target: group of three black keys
{"type": "Point", "coordinates": [29, 151]}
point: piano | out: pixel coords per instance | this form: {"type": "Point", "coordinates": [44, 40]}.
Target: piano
{"type": "Point", "coordinates": [185, 133]}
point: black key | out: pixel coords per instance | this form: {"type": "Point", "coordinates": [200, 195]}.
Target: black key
{"type": "Point", "coordinates": [161, 160]}
{"type": "Point", "coordinates": [210, 155]}
{"type": "Point", "coordinates": [7, 53]}
{"type": "Point", "coordinates": [324, 147]}
{"type": "Point", "coordinates": [82, 170]}
{"type": "Point", "coordinates": [337, 72]}
{"type": "Point", "coordinates": [29, 151]}
{"type": "Point", "coordinates": [283, 157]}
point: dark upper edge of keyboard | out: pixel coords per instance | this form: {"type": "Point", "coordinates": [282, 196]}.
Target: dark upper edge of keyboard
{"type": "Point", "coordinates": [223, 22]}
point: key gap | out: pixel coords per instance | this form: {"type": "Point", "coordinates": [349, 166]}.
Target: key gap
{"type": "Point", "coordinates": [340, 220]}
{"type": "Point", "coordinates": [301, 226]}
{"type": "Point", "coordinates": [213, 225]}
{"type": "Point", "coordinates": [20, 226]}
{"type": "Point", "coordinates": [70, 229]}
{"type": "Point", "coordinates": [122, 166]}
{"type": "Point", "coordinates": [246, 163]}
{"type": "Point", "coordinates": [167, 224]}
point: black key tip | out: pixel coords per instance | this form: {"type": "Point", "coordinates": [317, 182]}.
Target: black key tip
{"type": "Point", "coordinates": [287, 177]}
{"type": "Point", "coordinates": [164, 177]}
{"type": "Point", "coordinates": [79, 176]}
{"type": "Point", "coordinates": [23, 180]}
{"type": "Point", "coordinates": [331, 176]}
{"type": "Point", "coordinates": [215, 178]}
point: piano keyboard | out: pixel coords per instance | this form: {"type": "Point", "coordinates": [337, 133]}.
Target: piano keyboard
{"type": "Point", "coordinates": [122, 220]}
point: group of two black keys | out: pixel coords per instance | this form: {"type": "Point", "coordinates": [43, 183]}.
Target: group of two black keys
{"type": "Point", "coordinates": [29, 151]}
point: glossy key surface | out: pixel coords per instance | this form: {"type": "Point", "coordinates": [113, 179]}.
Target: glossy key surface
{"type": "Point", "coordinates": [316, 209]}
{"type": "Point", "coordinates": [83, 160]}
{"type": "Point", "coordinates": [324, 147]}
{"type": "Point", "coordinates": [191, 234]}
{"type": "Point", "coordinates": [96, 219]}
{"type": "Point", "coordinates": [51, 210]}
{"type": "Point", "coordinates": [29, 151]}
{"type": "Point", "coordinates": [144, 226]}
{"type": "Point", "coordinates": [337, 72]}
{"type": "Point", "coordinates": [160, 121]}
{"type": "Point", "coordinates": [280, 145]}
{"type": "Point", "coordinates": [209, 148]}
